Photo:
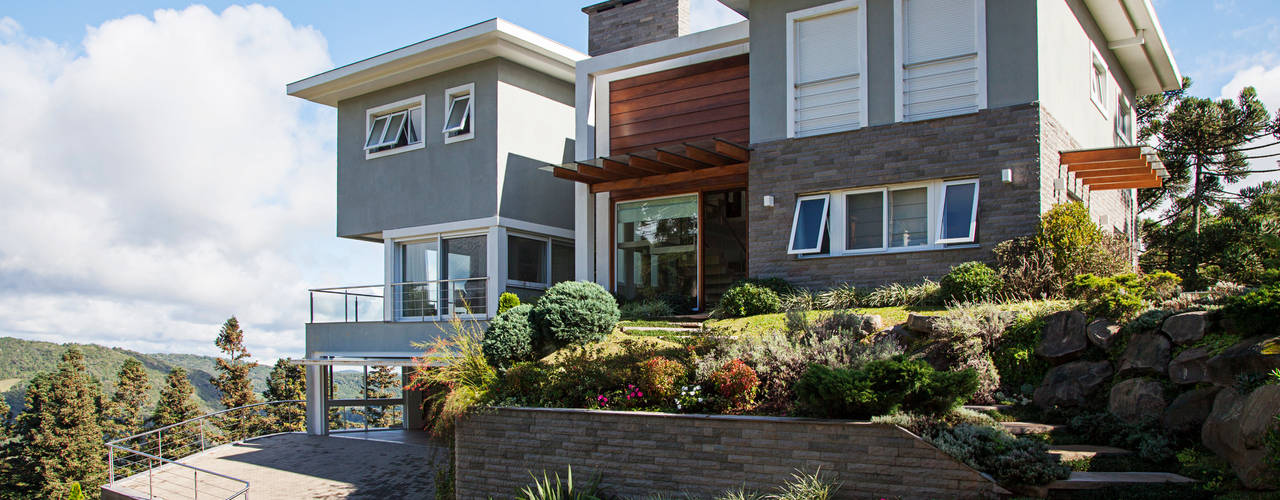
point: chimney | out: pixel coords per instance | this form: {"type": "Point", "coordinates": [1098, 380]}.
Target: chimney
{"type": "Point", "coordinates": [621, 24]}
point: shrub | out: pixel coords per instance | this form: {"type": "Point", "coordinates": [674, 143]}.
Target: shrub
{"type": "Point", "coordinates": [882, 387]}
{"type": "Point", "coordinates": [799, 301]}
{"type": "Point", "coordinates": [549, 489]}
{"type": "Point", "coordinates": [1014, 354]}
{"type": "Point", "coordinates": [575, 312]}
{"type": "Point", "coordinates": [1068, 233]}
{"type": "Point", "coordinates": [1010, 460]}
{"type": "Point", "coordinates": [506, 301]}
{"type": "Point", "coordinates": [844, 296]}
{"type": "Point", "coordinates": [747, 299]}
{"type": "Point", "coordinates": [660, 377]}
{"type": "Point", "coordinates": [1027, 269]}
{"type": "Point", "coordinates": [455, 373]}
{"type": "Point", "coordinates": [646, 309]}
{"type": "Point", "coordinates": [737, 383]}
{"type": "Point", "coordinates": [970, 281]}
{"type": "Point", "coordinates": [899, 295]}
{"type": "Point", "coordinates": [524, 381]}
{"type": "Point", "coordinates": [1123, 296]}
{"type": "Point", "coordinates": [779, 286]}
{"type": "Point", "coordinates": [509, 337]}
{"type": "Point", "coordinates": [1254, 312]}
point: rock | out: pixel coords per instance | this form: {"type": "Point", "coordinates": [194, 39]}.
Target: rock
{"type": "Point", "coordinates": [1187, 327]}
{"type": "Point", "coordinates": [1190, 367]}
{"type": "Point", "coordinates": [1234, 431]}
{"type": "Point", "coordinates": [1063, 336]}
{"type": "Point", "coordinates": [1102, 333]}
{"type": "Point", "coordinates": [1147, 353]}
{"type": "Point", "coordinates": [922, 324]}
{"type": "Point", "coordinates": [1072, 383]}
{"type": "Point", "coordinates": [1136, 399]}
{"type": "Point", "coordinates": [903, 335]}
{"type": "Point", "coordinates": [871, 323]}
{"type": "Point", "coordinates": [1188, 411]}
{"type": "Point", "coordinates": [1259, 414]}
{"type": "Point", "coordinates": [1244, 357]}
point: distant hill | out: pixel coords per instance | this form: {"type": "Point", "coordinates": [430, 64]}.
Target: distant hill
{"type": "Point", "coordinates": [21, 360]}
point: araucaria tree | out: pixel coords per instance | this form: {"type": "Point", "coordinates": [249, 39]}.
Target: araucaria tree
{"type": "Point", "coordinates": [233, 381]}
{"type": "Point", "coordinates": [61, 433]}
{"type": "Point", "coordinates": [286, 382]}
{"type": "Point", "coordinates": [382, 384]}
{"type": "Point", "coordinates": [125, 417]}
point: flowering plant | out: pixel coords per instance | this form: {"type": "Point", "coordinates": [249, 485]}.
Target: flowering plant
{"type": "Point", "coordinates": [737, 383]}
{"type": "Point", "coordinates": [690, 398]}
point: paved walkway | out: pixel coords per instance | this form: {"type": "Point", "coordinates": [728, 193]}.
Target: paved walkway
{"type": "Point", "coordinates": [377, 464]}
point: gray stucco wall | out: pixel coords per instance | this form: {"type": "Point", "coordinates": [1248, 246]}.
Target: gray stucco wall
{"type": "Point", "coordinates": [372, 338]}
{"type": "Point", "coordinates": [439, 183]}
{"type": "Point", "coordinates": [536, 128]}
{"type": "Point", "coordinates": [1011, 60]}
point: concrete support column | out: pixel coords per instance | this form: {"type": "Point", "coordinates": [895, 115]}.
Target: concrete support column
{"type": "Point", "coordinates": [584, 246]}
{"type": "Point", "coordinates": [317, 416]}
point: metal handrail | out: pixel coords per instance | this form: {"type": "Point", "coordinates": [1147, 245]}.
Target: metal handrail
{"type": "Point", "coordinates": [348, 296]}
{"type": "Point", "coordinates": [116, 445]}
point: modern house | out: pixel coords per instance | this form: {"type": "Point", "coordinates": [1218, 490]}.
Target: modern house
{"type": "Point", "coordinates": [820, 141]}
{"type": "Point", "coordinates": [850, 141]}
{"type": "Point", "coordinates": [439, 147]}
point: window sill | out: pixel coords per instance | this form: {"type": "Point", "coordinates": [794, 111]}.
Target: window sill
{"type": "Point", "coordinates": [892, 251]}
{"type": "Point", "coordinates": [389, 152]}
{"type": "Point", "coordinates": [459, 138]}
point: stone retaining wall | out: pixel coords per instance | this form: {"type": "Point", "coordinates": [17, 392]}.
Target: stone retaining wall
{"type": "Point", "coordinates": [639, 453]}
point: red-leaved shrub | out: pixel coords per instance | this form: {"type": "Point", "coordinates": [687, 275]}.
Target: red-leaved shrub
{"type": "Point", "coordinates": [660, 377]}
{"type": "Point", "coordinates": [737, 383]}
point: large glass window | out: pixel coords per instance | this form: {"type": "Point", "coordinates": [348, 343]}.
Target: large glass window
{"type": "Point", "coordinates": [419, 270]}
{"type": "Point", "coordinates": [909, 217]}
{"type": "Point", "coordinates": [397, 127]}
{"type": "Point", "coordinates": [959, 212]}
{"type": "Point", "coordinates": [809, 225]}
{"type": "Point", "coordinates": [561, 261]}
{"type": "Point", "coordinates": [465, 270]}
{"type": "Point", "coordinates": [657, 248]}
{"type": "Point", "coordinates": [526, 260]}
{"type": "Point", "coordinates": [441, 277]}
{"type": "Point", "coordinates": [866, 220]}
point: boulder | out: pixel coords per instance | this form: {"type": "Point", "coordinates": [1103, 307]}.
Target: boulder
{"type": "Point", "coordinates": [1102, 333]}
{"type": "Point", "coordinates": [1136, 399]}
{"type": "Point", "coordinates": [1188, 411]}
{"type": "Point", "coordinates": [922, 324]}
{"type": "Point", "coordinates": [1244, 357]}
{"type": "Point", "coordinates": [1146, 353]}
{"type": "Point", "coordinates": [871, 323]}
{"type": "Point", "coordinates": [1190, 367]}
{"type": "Point", "coordinates": [1187, 327]}
{"type": "Point", "coordinates": [1072, 383]}
{"type": "Point", "coordinates": [1063, 337]}
{"type": "Point", "coordinates": [1234, 431]}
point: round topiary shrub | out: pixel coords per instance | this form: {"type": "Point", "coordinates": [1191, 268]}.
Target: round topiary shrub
{"type": "Point", "coordinates": [575, 312]}
{"type": "Point", "coordinates": [970, 281]}
{"type": "Point", "coordinates": [748, 299]}
{"type": "Point", "coordinates": [509, 337]}
{"type": "Point", "coordinates": [507, 301]}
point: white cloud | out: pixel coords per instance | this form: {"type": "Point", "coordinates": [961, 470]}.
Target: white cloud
{"type": "Point", "coordinates": [1266, 80]}
{"type": "Point", "coordinates": [707, 14]}
{"type": "Point", "coordinates": [162, 181]}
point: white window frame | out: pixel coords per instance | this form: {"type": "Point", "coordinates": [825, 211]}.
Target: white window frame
{"type": "Point", "coordinates": [1124, 120]}
{"type": "Point", "coordinates": [841, 228]}
{"type": "Point", "coordinates": [451, 96]}
{"type": "Point", "coordinates": [973, 215]}
{"type": "Point", "coordinates": [899, 57]}
{"type": "Point", "coordinates": [837, 214]}
{"type": "Point", "coordinates": [398, 266]}
{"type": "Point", "coordinates": [1099, 75]}
{"type": "Point", "coordinates": [403, 105]}
{"type": "Point", "coordinates": [822, 10]}
{"type": "Point", "coordinates": [822, 227]}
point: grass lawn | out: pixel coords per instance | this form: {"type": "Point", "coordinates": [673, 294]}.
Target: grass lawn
{"type": "Point", "coordinates": [777, 322]}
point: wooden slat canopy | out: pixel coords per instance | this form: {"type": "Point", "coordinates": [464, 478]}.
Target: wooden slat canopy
{"type": "Point", "coordinates": [686, 164]}
{"type": "Point", "coordinates": [1116, 168]}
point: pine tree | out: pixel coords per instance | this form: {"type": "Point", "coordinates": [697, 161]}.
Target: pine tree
{"type": "Point", "coordinates": [286, 382]}
{"type": "Point", "coordinates": [128, 399]}
{"type": "Point", "coordinates": [175, 404]}
{"type": "Point", "coordinates": [61, 433]}
{"type": "Point", "coordinates": [234, 384]}
{"type": "Point", "coordinates": [382, 382]}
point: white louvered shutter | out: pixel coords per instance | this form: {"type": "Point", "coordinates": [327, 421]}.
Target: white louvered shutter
{"type": "Point", "coordinates": [828, 73]}
{"type": "Point", "coordinates": [940, 58]}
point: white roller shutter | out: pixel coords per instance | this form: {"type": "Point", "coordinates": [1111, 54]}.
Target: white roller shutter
{"type": "Point", "coordinates": [827, 73]}
{"type": "Point", "coordinates": [940, 57]}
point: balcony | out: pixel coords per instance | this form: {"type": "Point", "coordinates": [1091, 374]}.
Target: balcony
{"type": "Point", "coordinates": [362, 319]}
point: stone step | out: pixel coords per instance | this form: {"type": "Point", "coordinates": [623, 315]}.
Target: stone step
{"type": "Point", "coordinates": [999, 408]}
{"type": "Point", "coordinates": [1093, 480]}
{"type": "Point", "coordinates": [660, 329]}
{"type": "Point", "coordinates": [1067, 452]}
{"type": "Point", "coordinates": [1024, 428]}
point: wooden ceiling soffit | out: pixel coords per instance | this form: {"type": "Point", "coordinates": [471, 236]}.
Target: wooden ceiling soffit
{"type": "Point", "coordinates": [1125, 167]}
{"type": "Point", "coordinates": [696, 160]}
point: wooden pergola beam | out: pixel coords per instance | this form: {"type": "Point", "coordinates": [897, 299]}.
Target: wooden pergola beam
{"type": "Point", "coordinates": [1093, 181]}
{"type": "Point", "coordinates": [680, 160]}
{"type": "Point", "coordinates": [707, 156]}
{"type": "Point", "coordinates": [1103, 165]}
{"type": "Point", "coordinates": [564, 173]}
{"type": "Point", "coordinates": [594, 171]}
{"type": "Point", "coordinates": [622, 169]}
{"type": "Point", "coordinates": [645, 163]}
{"type": "Point", "coordinates": [1110, 172]}
{"type": "Point", "coordinates": [673, 178]}
{"type": "Point", "coordinates": [1107, 154]}
{"type": "Point", "coordinates": [732, 150]}
{"type": "Point", "coordinates": [1126, 185]}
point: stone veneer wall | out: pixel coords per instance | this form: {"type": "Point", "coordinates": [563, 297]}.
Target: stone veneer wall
{"type": "Point", "coordinates": [638, 454]}
{"type": "Point", "coordinates": [980, 144]}
{"type": "Point", "coordinates": [1115, 204]}
{"type": "Point", "coordinates": [621, 24]}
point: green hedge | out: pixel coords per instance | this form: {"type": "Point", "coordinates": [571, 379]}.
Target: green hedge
{"type": "Point", "coordinates": [883, 387]}
{"type": "Point", "coordinates": [749, 299]}
{"type": "Point", "coordinates": [970, 281]}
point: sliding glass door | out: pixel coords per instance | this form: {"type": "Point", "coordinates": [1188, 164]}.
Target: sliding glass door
{"type": "Point", "coordinates": [656, 253]}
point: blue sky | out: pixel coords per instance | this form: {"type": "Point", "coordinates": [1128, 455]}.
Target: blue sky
{"type": "Point", "coordinates": [194, 189]}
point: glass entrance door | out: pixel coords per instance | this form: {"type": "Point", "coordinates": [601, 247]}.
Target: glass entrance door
{"type": "Point", "coordinates": [656, 250]}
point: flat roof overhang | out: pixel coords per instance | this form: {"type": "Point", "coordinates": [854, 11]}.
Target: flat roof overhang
{"type": "Point", "coordinates": [690, 165]}
{"type": "Point", "coordinates": [353, 362]}
{"type": "Point", "coordinates": [1125, 167]}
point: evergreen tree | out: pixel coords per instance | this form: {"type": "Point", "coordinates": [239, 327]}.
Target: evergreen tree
{"type": "Point", "coordinates": [382, 384]}
{"type": "Point", "coordinates": [175, 404]}
{"type": "Point", "coordinates": [60, 432]}
{"type": "Point", "coordinates": [234, 384]}
{"type": "Point", "coordinates": [130, 396]}
{"type": "Point", "coordinates": [286, 382]}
